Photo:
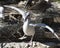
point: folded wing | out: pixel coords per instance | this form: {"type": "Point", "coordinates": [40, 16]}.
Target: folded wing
{"type": "Point", "coordinates": [45, 26]}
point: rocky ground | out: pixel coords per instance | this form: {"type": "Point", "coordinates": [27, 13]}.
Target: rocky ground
{"type": "Point", "coordinates": [25, 45]}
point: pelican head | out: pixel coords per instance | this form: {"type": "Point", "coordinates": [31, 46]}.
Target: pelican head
{"type": "Point", "coordinates": [25, 16]}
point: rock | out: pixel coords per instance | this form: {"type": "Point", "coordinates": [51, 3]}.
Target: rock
{"type": "Point", "coordinates": [35, 45]}
{"type": "Point", "coordinates": [56, 4]}
{"type": "Point", "coordinates": [21, 3]}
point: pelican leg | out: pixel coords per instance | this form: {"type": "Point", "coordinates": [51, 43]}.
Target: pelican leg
{"type": "Point", "coordinates": [30, 44]}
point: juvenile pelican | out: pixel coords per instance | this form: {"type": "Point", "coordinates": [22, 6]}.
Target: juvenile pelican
{"type": "Point", "coordinates": [28, 28]}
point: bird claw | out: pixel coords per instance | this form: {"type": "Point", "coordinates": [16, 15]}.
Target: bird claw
{"type": "Point", "coordinates": [23, 38]}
